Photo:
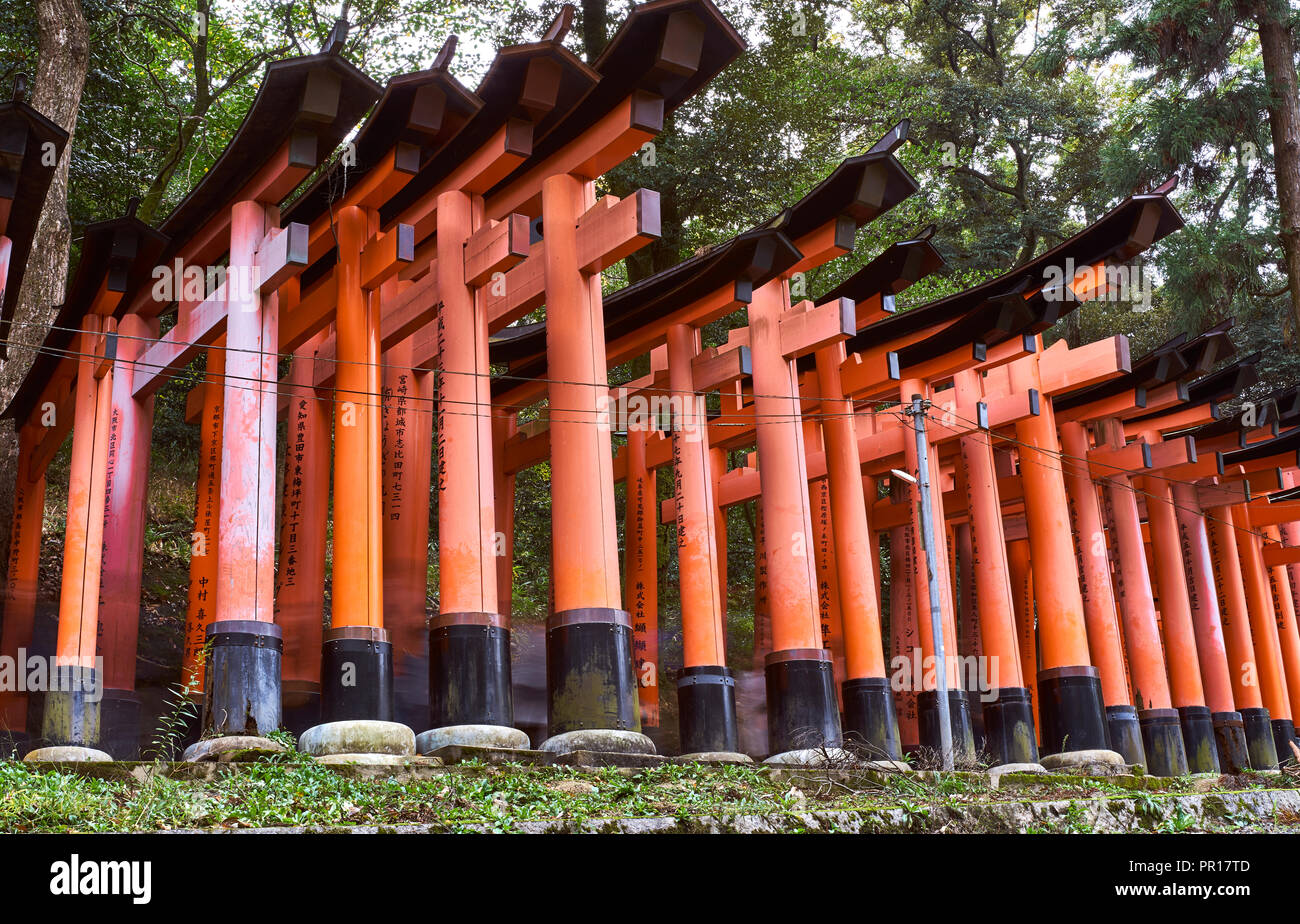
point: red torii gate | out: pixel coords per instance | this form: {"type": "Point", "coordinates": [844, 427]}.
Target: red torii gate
{"type": "Point", "coordinates": [30, 148]}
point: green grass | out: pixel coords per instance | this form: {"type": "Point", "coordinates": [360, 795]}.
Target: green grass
{"type": "Point", "coordinates": [292, 791]}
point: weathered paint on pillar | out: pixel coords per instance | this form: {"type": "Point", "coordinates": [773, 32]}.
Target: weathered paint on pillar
{"type": "Point", "coordinates": [1234, 612]}
{"type": "Point", "coordinates": [1062, 630]}
{"type": "Point", "coordinates": [718, 468]}
{"type": "Point", "coordinates": [1206, 620]}
{"type": "Point", "coordinates": [641, 566]}
{"type": "Point", "coordinates": [968, 625]}
{"type": "Point", "coordinates": [83, 542]}
{"type": "Point", "coordinates": [856, 557]}
{"type": "Point", "coordinates": [697, 541]}
{"type": "Point", "coordinates": [583, 510]}
{"type": "Point", "coordinates": [246, 517]}
{"type": "Point", "coordinates": [407, 459]}
{"type": "Point", "coordinates": [505, 424]}
{"type": "Point", "coordinates": [304, 509]}
{"type": "Point", "coordinates": [762, 594]}
{"type": "Point", "coordinates": [1288, 637]}
{"type": "Point", "coordinates": [125, 494]}
{"type": "Point", "coordinates": [1263, 620]}
{"type": "Point", "coordinates": [988, 549]}
{"type": "Point", "coordinates": [1133, 591]}
{"type": "Point", "coordinates": [466, 490]}
{"type": "Point", "coordinates": [1104, 641]}
{"type": "Point", "coordinates": [1175, 608]}
{"type": "Point", "coordinates": [828, 590]}
{"type": "Point", "coordinates": [23, 575]}
{"type": "Point", "coordinates": [1021, 578]}
{"type": "Point", "coordinates": [904, 640]}
{"type": "Point", "coordinates": [202, 607]}
{"type": "Point", "coordinates": [783, 470]}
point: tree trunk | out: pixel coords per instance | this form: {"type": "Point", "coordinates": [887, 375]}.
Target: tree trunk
{"type": "Point", "coordinates": [1278, 55]}
{"type": "Point", "coordinates": [595, 35]}
{"type": "Point", "coordinates": [64, 50]}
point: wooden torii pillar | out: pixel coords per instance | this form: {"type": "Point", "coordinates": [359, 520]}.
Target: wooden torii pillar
{"type": "Point", "coordinates": [304, 108]}
{"type": "Point", "coordinates": [22, 579]}
{"type": "Point", "coordinates": [1009, 717]}
{"type": "Point", "coordinates": [126, 486]}
{"type": "Point", "coordinates": [706, 687]}
{"type": "Point", "coordinates": [1148, 400]}
{"type": "Point", "coordinates": [409, 408]}
{"type": "Point", "coordinates": [304, 508]}
{"type": "Point", "coordinates": [1236, 526]}
{"type": "Point", "coordinates": [107, 444]}
{"type": "Point", "coordinates": [800, 684]}
{"type": "Point", "coordinates": [641, 570]}
{"type": "Point", "coordinates": [1101, 611]}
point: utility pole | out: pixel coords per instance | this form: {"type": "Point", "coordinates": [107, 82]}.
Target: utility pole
{"type": "Point", "coordinates": [917, 412]}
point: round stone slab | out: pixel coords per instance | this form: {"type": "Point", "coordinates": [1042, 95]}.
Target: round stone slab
{"type": "Point", "coordinates": [729, 757]}
{"type": "Point", "coordinates": [1071, 760]}
{"type": "Point", "coordinates": [812, 757]}
{"type": "Point", "coordinates": [606, 740]}
{"type": "Point", "coordinates": [358, 736]}
{"type": "Point", "coordinates": [66, 754]}
{"type": "Point", "coordinates": [1016, 768]}
{"type": "Point", "coordinates": [388, 760]}
{"type": "Point", "coordinates": [222, 749]}
{"type": "Point", "coordinates": [471, 736]}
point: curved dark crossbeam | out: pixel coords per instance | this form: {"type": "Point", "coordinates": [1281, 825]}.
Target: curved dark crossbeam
{"type": "Point", "coordinates": [1204, 394]}
{"type": "Point", "coordinates": [1125, 231]}
{"type": "Point", "coordinates": [418, 116]}
{"type": "Point", "coordinates": [527, 91]}
{"type": "Point", "coordinates": [304, 108]}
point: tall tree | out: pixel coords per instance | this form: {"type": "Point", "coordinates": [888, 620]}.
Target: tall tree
{"type": "Point", "coordinates": [1277, 50]}
{"type": "Point", "coordinates": [1209, 96]}
{"type": "Point", "coordinates": [63, 50]}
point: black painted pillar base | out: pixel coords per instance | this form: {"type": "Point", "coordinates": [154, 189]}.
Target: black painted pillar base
{"type": "Point", "coordinates": [241, 693]}
{"type": "Point", "coordinates": [927, 714]}
{"type": "Point", "coordinates": [1230, 741]}
{"type": "Point", "coordinates": [300, 706]}
{"type": "Point", "coordinates": [356, 674]}
{"type": "Point", "coordinates": [975, 709]}
{"type": "Point", "coordinates": [870, 722]}
{"type": "Point", "coordinates": [73, 709]}
{"type": "Point", "coordinates": [469, 670]}
{"type": "Point", "coordinates": [706, 703]}
{"type": "Point", "coordinates": [1283, 735]}
{"type": "Point", "coordinates": [1070, 709]}
{"type": "Point", "coordinates": [1198, 739]}
{"type": "Point", "coordinates": [802, 711]}
{"type": "Point", "coordinates": [1259, 738]}
{"type": "Point", "coordinates": [1009, 727]}
{"type": "Point", "coordinates": [1162, 739]}
{"type": "Point", "coordinates": [119, 724]}
{"type": "Point", "coordinates": [1125, 734]}
{"type": "Point", "coordinates": [590, 675]}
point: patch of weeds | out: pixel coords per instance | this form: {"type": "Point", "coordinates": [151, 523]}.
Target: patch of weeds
{"type": "Point", "coordinates": [1179, 821]}
{"type": "Point", "coordinates": [1076, 819]}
